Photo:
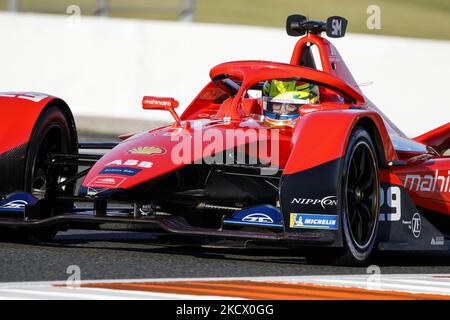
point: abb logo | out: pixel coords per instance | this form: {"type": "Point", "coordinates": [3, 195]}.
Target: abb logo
{"type": "Point", "coordinates": [131, 163]}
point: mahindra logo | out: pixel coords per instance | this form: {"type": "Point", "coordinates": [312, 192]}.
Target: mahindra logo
{"type": "Point", "coordinates": [324, 202]}
{"type": "Point", "coordinates": [428, 183]}
{"type": "Point", "coordinates": [163, 103]}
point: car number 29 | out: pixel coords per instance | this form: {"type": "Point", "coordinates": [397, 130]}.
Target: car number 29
{"type": "Point", "coordinates": [390, 204]}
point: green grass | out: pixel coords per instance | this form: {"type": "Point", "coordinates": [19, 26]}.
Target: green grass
{"type": "Point", "coordinates": [411, 18]}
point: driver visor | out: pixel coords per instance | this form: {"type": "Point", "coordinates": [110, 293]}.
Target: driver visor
{"type": "Point", "coordinates": [283, 108]}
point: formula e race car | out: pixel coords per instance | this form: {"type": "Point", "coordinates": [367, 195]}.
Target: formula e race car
{"type": "Point", "coordinates": [338, 181]}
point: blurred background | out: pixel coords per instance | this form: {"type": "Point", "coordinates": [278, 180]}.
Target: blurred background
{"type": "Point", "coordinates": [411, 18]}
{"type": "Point", "coordinates": [102, 56]}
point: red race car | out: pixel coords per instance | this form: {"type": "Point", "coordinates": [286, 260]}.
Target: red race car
{"type": "Point", "coordinates": [268, 153]}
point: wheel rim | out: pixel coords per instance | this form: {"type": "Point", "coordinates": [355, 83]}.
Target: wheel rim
{"type": "Point", "coordinates": [51, 143]}
{"type": "Point", "coordinates": [39, 183]}
{"type": "Point", "coordinates": [362, 195]}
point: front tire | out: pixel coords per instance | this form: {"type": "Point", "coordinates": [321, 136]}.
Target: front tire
{"type": "Point", "coordinates": [54, 132]}
{"type": "Point", "coordinates": [360, 198]}
{"type": "Point", "coordinates": [359, 203]}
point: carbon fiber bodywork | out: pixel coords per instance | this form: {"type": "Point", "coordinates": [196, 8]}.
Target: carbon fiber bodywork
{"type": "Point", "coordinates": [304, 192]}
{"type": "Point", "coordinates": [12, 167]}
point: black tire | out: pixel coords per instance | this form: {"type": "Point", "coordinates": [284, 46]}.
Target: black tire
{"type": "Point", "coordinates": [359, 203]}
{"type": "Point", "coordinates": [54, 132]}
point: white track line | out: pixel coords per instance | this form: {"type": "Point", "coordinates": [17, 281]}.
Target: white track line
{"type": "Point", "coordinates": [274, 278]}
{"type": "Point", "coordinates": [60, 293]}
{"type": "Point", "coordinates": [39, 294]}
{"type": "Point", "coordinates": [383, 285]}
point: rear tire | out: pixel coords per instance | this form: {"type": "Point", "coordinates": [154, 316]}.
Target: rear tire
{"type": "Point", "coordinates": [359, 203]}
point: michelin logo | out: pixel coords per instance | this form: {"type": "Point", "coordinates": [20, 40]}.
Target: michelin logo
{"type": "Point", "coordinates": [314, 221]}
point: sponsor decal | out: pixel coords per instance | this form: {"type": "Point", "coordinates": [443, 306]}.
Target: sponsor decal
{"type": "Point", "coordinates": [324, 202]}
{"type": "Point", "coordinates": [131, 163]}
{"type": "Point", "coordinates": [307, 110]}
{"type": "Point", "coordinates": [428, 183]}
{"type": "Point", "coordinates": [15, 204]}
{"type": "Point", "coordinates": [148, 151]}
{"type": "Point", "coordinates": [159, 101]}
{"type": "Point", "coordinates": [258, 218]}
{"type": "Point", "coordinates": [107, 181]}
{"type": "Point", "coordinates": [123, 171]}
{"type": "Point", "coordinates": [313, 221]}
{"type": "Point", "coordinates": [437, 241]}
{"type": "Point", "coordinates": [415, 225]}
{"type": "Point", "coordinates": [262, 215]}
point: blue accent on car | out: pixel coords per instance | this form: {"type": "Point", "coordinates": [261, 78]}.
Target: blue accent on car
{"type": "Point", "coordinates": [123, 171]}
{"type": "Point", "coordinates": [264, 215]}
{"type": "Point", "coordinates": [17, 201]}
{"type": "Point", "coordinates": [314, 221]}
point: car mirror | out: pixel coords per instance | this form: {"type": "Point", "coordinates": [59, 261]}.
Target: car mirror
{"type": "Point", "coordinates": [161, 103]}
{"type": "Point", "coordinates": [158, 103]}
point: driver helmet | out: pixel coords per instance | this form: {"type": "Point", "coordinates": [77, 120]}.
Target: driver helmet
{"type": "Point", "coordinates": [282, 100]}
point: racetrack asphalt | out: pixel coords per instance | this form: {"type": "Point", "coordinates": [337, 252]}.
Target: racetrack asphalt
{"type": "Point", "coordinates": [131, 255]}
{"type": "Point", "coordinates": [138, 255]}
